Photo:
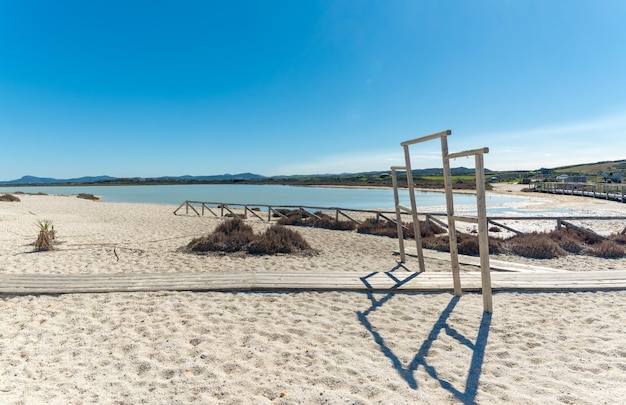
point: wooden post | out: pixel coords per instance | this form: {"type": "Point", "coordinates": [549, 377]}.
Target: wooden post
{"type": "Point", "coordinates": [396, 199]}
{"type": "Point", "coordinates": [483, 236]}
{"type": "Point", "coordinates": [454, 253]}
{"type": "Point", "coordinates": [416, 223]}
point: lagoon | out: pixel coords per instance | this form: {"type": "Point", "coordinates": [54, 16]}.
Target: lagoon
{"type": "Point", "coordinates": [276, 195]}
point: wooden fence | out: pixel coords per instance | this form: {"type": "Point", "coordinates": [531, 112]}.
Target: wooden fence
{"type": "Point", "coordinates": [217, 209]}
{"type": "Point", "coordinates": [607, 191]}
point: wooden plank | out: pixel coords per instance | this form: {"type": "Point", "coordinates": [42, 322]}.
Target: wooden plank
{"type": "Point", "coordinates": [426, 138]}
{"type": "Point", "coordinates": [495, 264]}
{"type": "Point", "coordinates": [584, 230]}
{"type": "Point", "coordinates": [508, 228]}
{"type": "Point", "coordinates": [398, 280]}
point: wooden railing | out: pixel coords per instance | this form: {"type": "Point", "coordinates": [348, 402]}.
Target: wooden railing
{"type": "Point", "coordinates": [608, 191]}
{"type": "Point", "coordinates": [217, 209]}
{"type": "Point", "coordinates": [200, 208]}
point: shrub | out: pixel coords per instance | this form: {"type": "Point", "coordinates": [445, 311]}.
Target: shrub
{"type": "Point", "coordinates": [466, 244]}
{"type": "Point", "coordinates": [292, 217]}
{"type": "Point", "coordinates": [86, 196]}
{"type": "Point", "coordinates": [439, 243]}
{"type": "Point", "coordinates": [9, 198]}
{"type": "Point", "coordinates": [275, 213]}
{"type": "Point", "coordinates": [383, 228]}
{"type": "Point", "coordinates": [618, 237]}
{"type": "Point", "coordinates": [535, 245]}
{"type": "Point", "coordinates": [388, 228]}
{"type": "Point", "coordinates": [278, 239]}
{"type": "Point", "coordinates": [234, 235]}
{"type": "Point", "coordinates": [325, 221]}
{"type": "Point", "coordinates": [230, 236]}
{"type": "Point", "coordinates": [609, 250]}
{"type": "Point", "coordinates": [45, 238]}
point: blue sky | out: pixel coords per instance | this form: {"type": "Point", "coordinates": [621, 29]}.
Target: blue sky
{"type": "Point", "coordinates": [133, 88]}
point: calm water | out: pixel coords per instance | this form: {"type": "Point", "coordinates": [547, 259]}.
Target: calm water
{"type": "Point", "coordinates": [356, 198]}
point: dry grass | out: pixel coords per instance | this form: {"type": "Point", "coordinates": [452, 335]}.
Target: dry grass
{"type": "Point", "coordinates": [278, 239]}
{"type": "Point", "coordinates": [230, 236]}
{"type": "Point", "coordinates": [234, 235]}
{"type": "Point", "coordinates": [609, 250]}
{"type": "Point", "coordinates": [466, 244]}
{"type": "Point", "coordinates": [318, 220]}
{"type": "Point", "coordinates": [387, 228]}
{"type": "Point", "coordinates": [535, 245]}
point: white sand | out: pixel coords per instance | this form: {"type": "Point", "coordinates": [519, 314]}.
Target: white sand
{"type": "Point", "coordinates": [332, 347]}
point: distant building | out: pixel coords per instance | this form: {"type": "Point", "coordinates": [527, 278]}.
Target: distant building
{"type": "Point", "coordinates": [562, 178]}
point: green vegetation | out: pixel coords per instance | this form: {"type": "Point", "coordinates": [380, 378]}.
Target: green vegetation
{"type": "Point", "coordinates": [45, 238]}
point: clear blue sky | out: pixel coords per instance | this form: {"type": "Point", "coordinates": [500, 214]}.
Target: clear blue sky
{"type": "Point", "coordinates": [134, 88]}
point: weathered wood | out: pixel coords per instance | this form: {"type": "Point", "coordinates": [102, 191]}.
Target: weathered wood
{"type": "Point", "coordinates": [391, 281]}
{"type": "Point", "coordinates": [508, 228]}
{"type": "Point", "coordinates": [499, 265]}
{"type": "Point", "coordinates": [396, 199]}
{"type": "Point", "coordinates": [473, 152]}
{"type": "Point", "coordinates": [426, 138]}
{"type": "Point", "coordinates": [210, 210]}
{"type": "Point", "coordinates": [437, 221]}
{"type": "Point", "coordinates": [225, 207]}
{"type": "Point", "coordinates": [349, 217]}
{"type": "Point", "coordinates": [483, 233]}
{"type": "Point", "coordinates": [452, 232]}
{"type": "Point", "coordinates": [179, 207]}
{"type": "Point", "coordinates": [253, 213]}
{"type": "Point", "coordinates": [280, 214]}
{"type": "Point", "coordinates": [409, 178]}
{"type": "Point", "coordinates": [584, 230]}
{"type": "Point", "coordinates": [470, 220]}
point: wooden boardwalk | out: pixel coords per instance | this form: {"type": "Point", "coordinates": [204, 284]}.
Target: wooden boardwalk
{"type": "Point", "coordinates": [384, 281]}
{"type": "Point", "coordinates": [610, 191]}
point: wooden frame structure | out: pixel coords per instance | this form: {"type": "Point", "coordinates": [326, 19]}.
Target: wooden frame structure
{"type": "Point", "coordinates": [481, 209]}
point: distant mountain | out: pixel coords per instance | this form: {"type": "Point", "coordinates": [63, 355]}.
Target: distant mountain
{"type": "Point", "coordinates": [227, 176]}
{"type": "Point", "coordinates": [33, 180]}
{"type": "Point", "coordinates": [25, 180]}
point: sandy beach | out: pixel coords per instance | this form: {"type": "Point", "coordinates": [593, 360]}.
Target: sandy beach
{"type": "Point", "coordinates": [292, 347]}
